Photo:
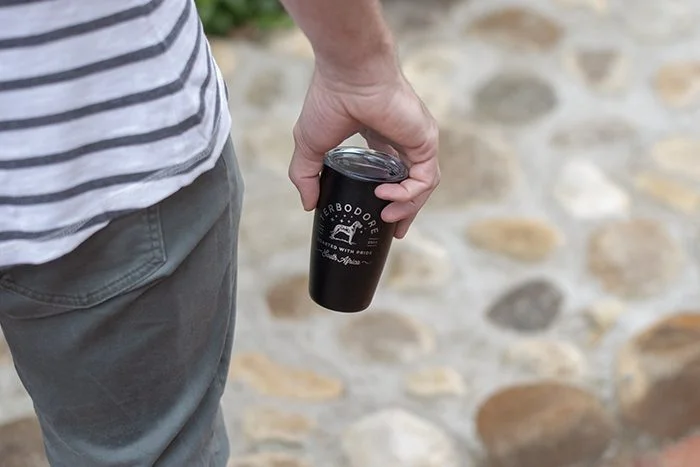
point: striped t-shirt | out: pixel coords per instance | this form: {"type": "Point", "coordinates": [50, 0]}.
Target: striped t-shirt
{"type": "Point", "coordinates": [106, 106]}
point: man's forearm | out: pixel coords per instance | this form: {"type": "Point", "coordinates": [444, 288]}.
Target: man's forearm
{"type": "Point", "coordinates": [344, 34]}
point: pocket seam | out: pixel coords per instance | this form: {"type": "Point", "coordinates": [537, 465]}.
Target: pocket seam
{"type": "Point", "coordinates": [122, 284]}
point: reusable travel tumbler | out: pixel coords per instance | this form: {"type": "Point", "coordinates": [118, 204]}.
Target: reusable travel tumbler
{"type": "Point", "coordinates": [350, 242]}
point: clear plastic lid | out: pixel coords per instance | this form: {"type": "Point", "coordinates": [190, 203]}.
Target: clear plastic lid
{"type": "Point", "coordinates": [366, 165]}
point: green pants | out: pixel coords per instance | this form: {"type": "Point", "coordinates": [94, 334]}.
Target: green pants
{"type": "Point", "coordinates": [124, 344]}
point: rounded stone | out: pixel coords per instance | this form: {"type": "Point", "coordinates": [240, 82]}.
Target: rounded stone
{"type": "Point", "coordinates": [476, 167]}
{"type": "Point", "coordinates": [598, 6]}
{"type": "Point", "coordinates": [679, 155]}
{"type": "Point", "coordinates": [528, 307]}
{"type": "Point", "coordinates": [668, 192]}
{"type": "Point", "coordinates": [292, 42]}
{"type": "Point", "coordinates": [418, 263]}
{"type": "Point", "coordinates": [269, 459]}
{"type": "Point", "coordinates": [659, 22]}
{"type": "Point", "coordinates": [585, 192]}
{"type": "Point", "coordinates": [394, 437]}
{"type": "Point", "coordinates": [435, 382]}
{"type": "Point", "coordinates": [678, 83]}
{"type": "Point", "coordinates": [601, 317]}
{"type": "Point", "coordinates": [634, 258]}
{"type": "Point", "coordinates": [289, 298]}
{"type": "Point", "coordinates": [517, 27]}
{"type": "Point", "coordinates": [265, 89]}
{"type": "Point", "coordinates": [549, 359]}
{"type": "Point", "coordinates": [592, 133]}
{"type": "Point", "coordinates": [521, 239]}
{"type": "Point", "coordinates": [263, 424]}
{"type": "Point", "coordinates": [600, 68]}
{"type": "Point", "coordinates": [274, 379]}
{"type": "Point", "coordinates": [543, 425]}
{"type": "Point", "coordinates": [657, 377]}
{"type": "Point", "coordinates": [224, 52]}
{"type": "Point", "coordinates": [21, 444]}
{"type": "Point", "coordinates": [514, 98]}
{"type": "Point", "coordinates": [386, 337]}
{"type": "Point", "coordinates": [427, 69]}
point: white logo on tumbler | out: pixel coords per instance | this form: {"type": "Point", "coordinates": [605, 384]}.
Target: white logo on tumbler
{"type": "Point", "coordinates": [349, 225]}
{"type": "Point", "coordinates": [347, 230]}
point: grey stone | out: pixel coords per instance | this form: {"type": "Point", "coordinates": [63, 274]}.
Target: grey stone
{"type": "Point", "coordinates": [528, 307]}
{"type": "Point", "coordinates": [514, 98]}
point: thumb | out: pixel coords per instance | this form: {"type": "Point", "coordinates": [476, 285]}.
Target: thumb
{"type": "Point", "coordinates": [304, 170]}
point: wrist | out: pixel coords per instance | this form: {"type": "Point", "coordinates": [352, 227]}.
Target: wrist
{"type": "Point", "coordinates": [360, 64]}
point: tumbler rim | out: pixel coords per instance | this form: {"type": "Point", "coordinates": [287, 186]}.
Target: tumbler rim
{"type": "Point", "coordinates": [343, 159]}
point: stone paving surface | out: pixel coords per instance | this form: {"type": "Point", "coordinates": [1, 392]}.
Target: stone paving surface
{"type": "Point", "coordinates": [543, 312]}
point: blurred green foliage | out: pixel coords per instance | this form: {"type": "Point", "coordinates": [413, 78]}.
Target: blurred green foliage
{"type": "Point", "coordinates": [222, 16]}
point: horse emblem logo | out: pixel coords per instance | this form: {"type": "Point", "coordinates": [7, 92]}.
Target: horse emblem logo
{"type": "Point", "coordinates": [348, 231]}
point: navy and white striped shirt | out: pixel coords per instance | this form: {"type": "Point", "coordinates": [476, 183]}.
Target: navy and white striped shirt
{"type": "Point", "coordinates": [106, 106]}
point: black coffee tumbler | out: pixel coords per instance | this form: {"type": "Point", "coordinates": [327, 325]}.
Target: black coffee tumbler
{"type": "Point", "coordinates": [350, 241]}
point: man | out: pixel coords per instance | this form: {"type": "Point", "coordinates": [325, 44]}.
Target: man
{"type": "Point", "coordinates": [120, 198]}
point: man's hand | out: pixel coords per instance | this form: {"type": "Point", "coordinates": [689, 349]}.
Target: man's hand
{"type": "Point", "coordinates": [385, 111]}
{"type": "Point", "coordinates": [358, 87]}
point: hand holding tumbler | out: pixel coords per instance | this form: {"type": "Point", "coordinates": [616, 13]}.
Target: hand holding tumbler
{"type": "Point", "coordinates": [350, 241]}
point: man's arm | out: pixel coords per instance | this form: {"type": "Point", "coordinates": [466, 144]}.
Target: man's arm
{"type": "Point", "coordinates": [345, 34]}
{"type": "Point", "coordinates": [358, 87]}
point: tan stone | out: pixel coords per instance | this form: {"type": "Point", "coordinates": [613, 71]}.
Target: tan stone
{"type": "Point", "coordinates": [678, 83]}
{"type": "Point", "coordinates": [477, 166]}
{"type": "Point", "coordinates": [417, 263]}
{"type": "Point", "coordinates": [269, 459]}
{"type": "Point", "coordinates": [265, 89]}
{"type": "Point", "coordinates": [548, 359]}
{"type": "Point", "coordinates": [522, 239]}
{"type": "Point", "coordinates": [394, 437]}
{"type": "Point", "coordinates": [289, 298]}
{"type": "Point", "coordinates": [224, 51]}
{"type": "Point", "coordinates": [293, 43]}
{"type": "Point", "coordinates": [261, 424]}
{"type": "Point", "coordinates": [658, 376]}
{"type": "Point", "coordinates": [21, 444]}
{"type": "Point", "coordinates": [274, 379]}
{"type": "Point", "coordinates": [518, 27]}
{"type": "Point", "coordinates": [427, 69]}
{"type": "Point", "coordinates": [635, 258]}
{"type": "Point", "coordinates": [668, 191]}
{"type": "Point", "coordinates": [601, 317]}
{"type": "Point", "coordinates": [435, 382]}
{"type": "Point", "coordinates": [679, 155]}
{"type": "Point", "coordinates": [543, 425]}
{"type": "Point", "coordinates": [598, 6]}
{"type": "Point", "coordinates": [386, 336]}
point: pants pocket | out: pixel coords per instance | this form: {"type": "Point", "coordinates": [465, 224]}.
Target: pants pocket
{"type": "Point", "coordinates": [114, 260]}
